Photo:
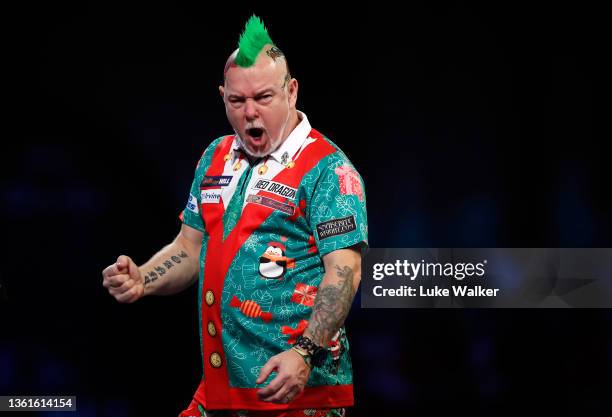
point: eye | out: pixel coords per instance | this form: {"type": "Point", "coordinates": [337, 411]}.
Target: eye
{"type": "Point", "coordinates": [264, 98]}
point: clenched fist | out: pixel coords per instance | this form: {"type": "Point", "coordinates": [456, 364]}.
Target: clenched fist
{"type": "Point", "coordinates": [123, 280]}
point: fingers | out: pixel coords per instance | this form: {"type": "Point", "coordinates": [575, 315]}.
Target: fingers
{"type": "Point", "coordinates": [110, 270]}
{"type": "Point", "coordinates": [124, 265]}
{"type": "Point", "coordinates": [289, 382]}
{"type": "Point", "coordinates": [122, 285]}
{"type": "Point", "coordinates": [267, 370]}
{"type": "Point", "coordinates": [284, 395]}
{"type": "Point", "coordinates": [129, 292]}
{"type": "Point", "coordinates": [273, 387]}
{"type": "Point", "coordinates": [115, 281]}
{"type": "Point", "coordinates": [123, 280]}
{"type": "Point", "coordinates": [293, 393]}
{"type": "Point", "coordinates": [127, 266]}
{"type": "Point", "coordinates": [130, 295]}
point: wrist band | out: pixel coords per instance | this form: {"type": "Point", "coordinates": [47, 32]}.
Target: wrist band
{"type": "Point", "coordinates": [304, 355]}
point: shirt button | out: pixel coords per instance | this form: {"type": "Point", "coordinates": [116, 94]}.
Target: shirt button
{"type": "Point", "coordinates": [211, 329]}
{"type": "Point", "coordinates": [210, 298]}
{"type": "Point", "coordinates": [215, 360]}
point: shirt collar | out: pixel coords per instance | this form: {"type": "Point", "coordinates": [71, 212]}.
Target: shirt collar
{"type": "Point", "coordinates": [291, 145]}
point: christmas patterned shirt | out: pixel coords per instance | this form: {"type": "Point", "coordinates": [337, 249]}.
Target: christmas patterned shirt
{"type": "Point", "coordinates": [266, 227]}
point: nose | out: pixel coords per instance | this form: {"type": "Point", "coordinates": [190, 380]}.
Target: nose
{"type": "Point", "coordinates": [250, 109]}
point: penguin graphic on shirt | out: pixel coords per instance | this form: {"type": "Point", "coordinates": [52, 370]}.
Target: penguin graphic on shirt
{"type": "Point", "coordinates": [273, 263]}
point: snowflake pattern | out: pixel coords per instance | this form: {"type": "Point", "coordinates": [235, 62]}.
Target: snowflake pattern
{"type": "Point", "coordinates": [284, 312]}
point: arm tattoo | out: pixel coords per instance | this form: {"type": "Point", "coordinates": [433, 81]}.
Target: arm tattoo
{"type": "Point", "coordinates": [331, 307]}
{"type": "Point", "coordinates": [160, 271]}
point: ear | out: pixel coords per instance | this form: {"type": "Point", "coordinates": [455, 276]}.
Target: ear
{"type": "Point", "coordinates": [222, 91]}
{"type": "Point", "coordinates": [293, 92]}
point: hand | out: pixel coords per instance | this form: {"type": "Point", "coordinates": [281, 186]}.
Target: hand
{"type": "Point", "coordinates": [292, 376]}
{"type": "Point", "coordinates": [123, 280]}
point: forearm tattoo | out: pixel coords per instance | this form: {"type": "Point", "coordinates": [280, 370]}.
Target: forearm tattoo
{"type": "Point", "coordinates": [160, 270]}
{"type": "Point", "coordinates": [331, 307]}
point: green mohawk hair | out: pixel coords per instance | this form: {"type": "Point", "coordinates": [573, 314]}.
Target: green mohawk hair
{"type": "Point", "coordinates": [252, 41]}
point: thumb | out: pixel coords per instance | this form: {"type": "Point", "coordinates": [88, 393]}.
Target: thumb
{"type": "Point", "coordinates": [123, 263]}
{"type": "Point", "coordinates": [266, 370]}
{"type": "Point", "coordinates": [133, 270]}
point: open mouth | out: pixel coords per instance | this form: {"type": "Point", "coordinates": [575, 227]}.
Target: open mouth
{"type": "Point", "coordinates": [255, 132]}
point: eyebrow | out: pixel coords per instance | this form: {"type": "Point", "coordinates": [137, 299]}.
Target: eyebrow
{"type": "Point", "coordinates": [262, 92]}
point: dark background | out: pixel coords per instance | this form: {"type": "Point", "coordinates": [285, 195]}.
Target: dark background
{"type": "Point", "coordinates": [473, 125]}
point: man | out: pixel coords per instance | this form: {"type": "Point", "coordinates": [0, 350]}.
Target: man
{"type": "Point", "coordinates": [273, 231]}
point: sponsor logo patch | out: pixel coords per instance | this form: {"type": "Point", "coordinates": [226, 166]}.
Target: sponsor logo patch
{"type": "Point", "coordinates": [336, 227]}
{"type": "Point", "coordinates": [269, 202]}
{"type": "Point", "coordinates": [192, 204]}
{"type": "Point", "coordinates": [216, 181]}
{"type": "Point", "coordinates": [275, 188]}
{"type": "Point", "coordinates": [210, 196]}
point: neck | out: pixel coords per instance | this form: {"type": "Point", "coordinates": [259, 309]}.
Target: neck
{"type": "Point", "coordinates": [292, 122]}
